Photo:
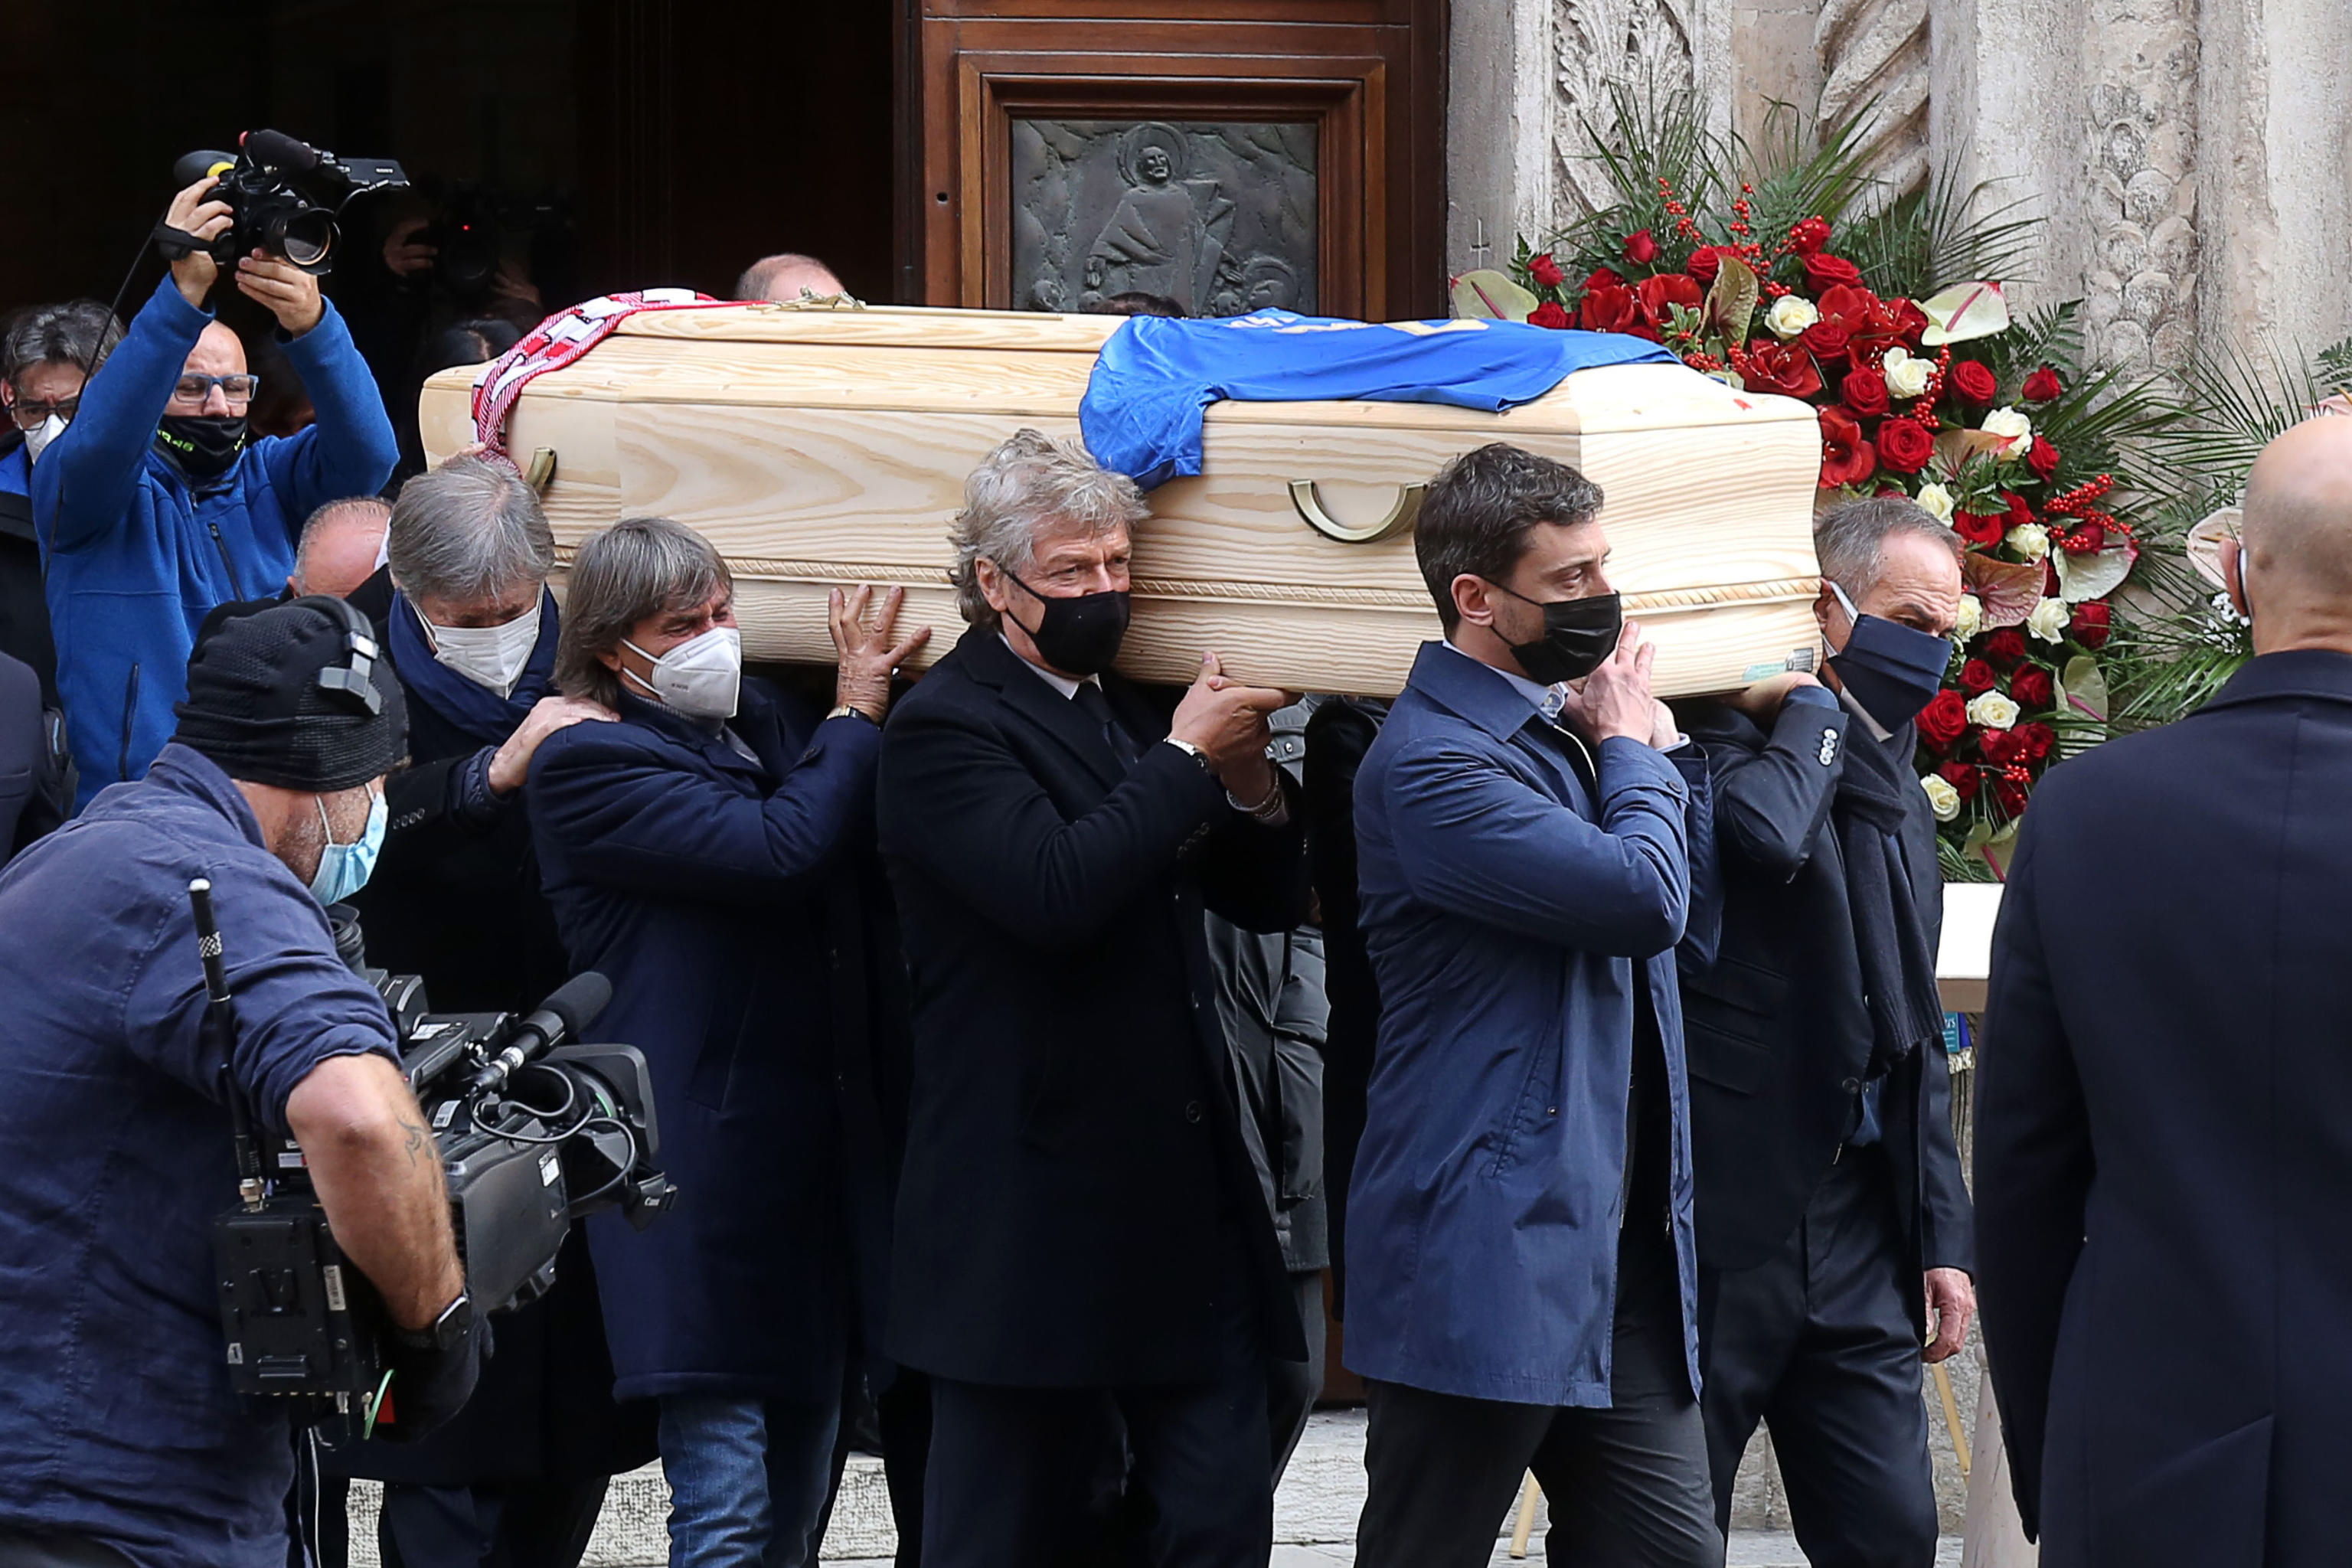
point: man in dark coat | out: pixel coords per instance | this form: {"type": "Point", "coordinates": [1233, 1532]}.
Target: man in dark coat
{"type": "Point", "coordinates": [463, 613]}
{"type": "Point", "coordinates": [1829, 1186]}
{"type": "Point", "coordinates": [696, 853]}
{"type": "Point", "coordinates": [1076, 1201]}
{"type": "Point", "coordinates": [2164, 1136]}
{"type": "Point", "coordinates": [36, 790]}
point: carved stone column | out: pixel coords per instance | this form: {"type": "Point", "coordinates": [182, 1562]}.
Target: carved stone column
{"type": "Point", "coordinates": [1873, 59]}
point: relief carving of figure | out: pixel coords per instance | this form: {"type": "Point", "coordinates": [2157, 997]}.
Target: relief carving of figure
{"type": "Point", "coordinates": [1165, 237]}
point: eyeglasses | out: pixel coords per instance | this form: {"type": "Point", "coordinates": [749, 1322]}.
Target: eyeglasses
{"type": "Point", "coordinates": [29, 414]}
{"type": "Point", "coordinates": [195, 388]}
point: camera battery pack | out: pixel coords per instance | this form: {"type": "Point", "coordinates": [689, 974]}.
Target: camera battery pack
{"type": "Point", "coordinates": [300, 1319]}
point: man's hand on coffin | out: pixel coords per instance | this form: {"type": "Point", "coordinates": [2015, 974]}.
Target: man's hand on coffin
{"type": "Point", "coordinates": [1616, 700]}
{"type": "Point", "coordinates": [512, 762]}
{"type": "Point", "coordinates": [1762, 700]}
{"type": "Point", "coordinates": [189, 213]}
{"type": "Point", "coordinates": [870, 655]}
{"type": "Point", "coordinates": [1228, 720]}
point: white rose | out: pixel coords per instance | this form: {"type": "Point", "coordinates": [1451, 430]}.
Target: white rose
{"type": "Point", "coordinates": [1993, 710]}
{"type": "Point", "coordinates": [2029, 539]}
{"type": "Point", "coordinates": [2015, 430]}
{"type": "Point", "coordinates": [1941, 796]}
{"type": "Point", "coordinates": [2049, 619]}
{"type": "Point", "coordinates": [1934, 500]}
{"type": "Point", "coordinates": [1970, 618]}
{"type": "Point", "coordinates": [1791, 315]}
{"type": "Point", "coordinates": [1906, 376]}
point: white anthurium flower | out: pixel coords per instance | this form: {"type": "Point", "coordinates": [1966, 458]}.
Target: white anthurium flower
{"type": "Point", "coordinates": [1942, 798]}
{"type": "Point", "coordinates": [1906, 376]}
{"type": "Point", "coordinates": [1936, 501]}
{"type": "Point", "coordinates": [1993, 710]}
{"type": "Point", "coordinates": [2031, 541]}
{"type": "Point", "coordinates": [1791, 314]}
{"type": "Point", "coordinates": [1970, 621]}
{"type": "Point", "coordinates": [2014, 429]}
{"type": "Point", "coordinates": [2049, 619]}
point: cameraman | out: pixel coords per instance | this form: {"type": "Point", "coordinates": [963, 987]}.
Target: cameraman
{"type": "Point", "coordinates": [122, 1439]}
{"type": "Point", "coordinates": [464, 613]}
{"type": "Point", "coordinates": [155, 505]}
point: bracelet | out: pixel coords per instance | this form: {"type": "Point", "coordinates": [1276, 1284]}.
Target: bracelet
{"type": "Point", "coordinates": [1270, 810]}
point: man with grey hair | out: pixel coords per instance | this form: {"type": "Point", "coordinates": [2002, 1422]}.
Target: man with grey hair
{"type": "Point", "coordinates": [45, 353]}
{"type": "Point", "coordinates": [1077, 1204]}
{"type": "Point", "coordinates": [340, 548]}
{"type": "Point", "coordinates": [464, 613]}
{"type": "Point", "coordinates": [1834, 1228]}
{"type": "Point", "coordinates": [787, 277]}
{"type": "Point", "coordinates": [712, 854]}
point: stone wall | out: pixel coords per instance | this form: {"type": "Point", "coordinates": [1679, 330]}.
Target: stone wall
{"type": "Point", "coordinates": [2192, 159]}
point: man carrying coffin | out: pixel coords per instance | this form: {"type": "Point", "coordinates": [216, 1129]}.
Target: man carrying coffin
{"type": "Point", "coordinates": [1830, 1206]}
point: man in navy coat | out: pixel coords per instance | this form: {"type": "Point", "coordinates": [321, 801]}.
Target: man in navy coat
{"type": "Point", "coordinates": [2164, 1140]}
{"type": "Point", "coordinates": [1521, 1274]}
{"type": "Point", "coordinates": [698, 853]}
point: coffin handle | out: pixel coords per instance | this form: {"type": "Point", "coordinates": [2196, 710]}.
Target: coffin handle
{"type": "Point", "coordinates": [1309, 503]}
{"type": "Point", "coordinates": [539, 472]}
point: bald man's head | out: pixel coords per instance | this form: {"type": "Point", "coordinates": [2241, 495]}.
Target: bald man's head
{"type": "Point", "coordinates": [343, 545]}
{"type": "Point", "coordinates": [783, 277]}
{"type": "Point", "coordinates": [2293, 569]}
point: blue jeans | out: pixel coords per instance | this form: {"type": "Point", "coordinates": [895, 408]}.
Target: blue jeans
{"type": "Point", "coordinates": [749, 1478]}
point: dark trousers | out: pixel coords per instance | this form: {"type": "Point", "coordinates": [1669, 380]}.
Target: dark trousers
{"type": "Point", "coordinates": [1013, 1472]}
{"type": "Point", "coordinates": [1821, 1344]}
{"type": "Point", "coordinates": [1627, 1485]}
{"type": "Point", "coordinates": [1295, 1386]}
{"type": "Point", "coordinates": [26, 1548]}
{"type": "Point", "coordinates": [509, 1524]}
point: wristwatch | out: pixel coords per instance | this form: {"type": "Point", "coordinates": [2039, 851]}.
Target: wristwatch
{"type": "Point", "coordinates": [846, 711]}
{"type": "Point", "coordinates": [1192, 750]}
{"type": "Point", "coordinates": [443, 1332]}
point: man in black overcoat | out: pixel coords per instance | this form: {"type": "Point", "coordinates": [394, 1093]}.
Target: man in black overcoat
{"type": "Point", "coordinates": [1833, 1224]}
{"type": "Point", "coordinates": [1077, 1204]}
{"type": "Point", "coordinates": [2164, 1136]}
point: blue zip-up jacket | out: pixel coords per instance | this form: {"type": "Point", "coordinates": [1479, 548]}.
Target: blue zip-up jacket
{"type": "Point", "coordinates": [135, 556]}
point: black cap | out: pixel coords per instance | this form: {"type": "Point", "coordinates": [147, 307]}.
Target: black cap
{"type": "Point", "coordinates": [296, 696]}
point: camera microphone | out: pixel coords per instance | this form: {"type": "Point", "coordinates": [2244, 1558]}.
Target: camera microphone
{"type": "Point", "coordinates": [275, 150]}
{"type": "Point", "coordinates": [573, 1005]}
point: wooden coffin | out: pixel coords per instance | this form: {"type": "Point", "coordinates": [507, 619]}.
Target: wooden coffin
{"type": "Point", "coordinates": [823, 448]}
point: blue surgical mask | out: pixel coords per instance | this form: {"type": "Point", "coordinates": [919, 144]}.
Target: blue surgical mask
{"type": "Point", "coordinates": [1889, 672]}
{"type": "Point", "coordinates": [344, 868]}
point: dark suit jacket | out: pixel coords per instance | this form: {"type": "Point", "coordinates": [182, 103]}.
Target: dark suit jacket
{"type": "Point", "coordinates": [34, 787]}
{"type": "Point", "coordinates": [2164, 1137]}
{"type": "Point", "coordinates": [1775, 1028]}
{"type": "Point", "coordinates": [1073, 1156]}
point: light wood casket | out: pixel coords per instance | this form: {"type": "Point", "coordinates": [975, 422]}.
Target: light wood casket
{"type": "Point", "coordinates": [825, 447]}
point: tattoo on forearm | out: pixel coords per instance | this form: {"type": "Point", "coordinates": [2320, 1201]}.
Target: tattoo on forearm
{"type": "Point", "coordinates": [417, 1139]}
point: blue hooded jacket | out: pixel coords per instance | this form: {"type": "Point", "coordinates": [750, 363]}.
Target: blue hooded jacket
{"type": "Point", "coordinates": [134, 555]}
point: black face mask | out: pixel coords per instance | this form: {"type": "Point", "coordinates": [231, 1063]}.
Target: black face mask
{"type": "Point", "coordinates": [204, 445]}
{"type": "Point", "coordinates": [1078, 635]}
{"type": "Point", "coordinates": [1579, 635]}
{"type": "Point", "coordinates": [1890, 671]}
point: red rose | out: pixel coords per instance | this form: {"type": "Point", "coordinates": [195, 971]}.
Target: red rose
{"type": "Point", "coordinates": [2043, 458]}
{"type": "Point", "coordinates": [1846, 457]}
{"type": "Point", "coordinates": [1977, 678]}
{"type": "Point", "coordinates": [1910, 322]}
{"type": "Point", "coordinates": [1602, 277]}
{"type": "Point", "coordinates": [1827, 341]}
{"type": "Point", "coordinates": [1905, 446]}
{"type": "Point", "coordinates": [1980, 528]}
{"type": "Point", "coordinates": [2006, 648]}
{"type": "Point", "coordinates": [1824, 272]}
{"type": "Point", "coordinates": [1783, 368]}
{"type": "Point", "coordinates": [1944, 721]}
{"type": "Point", "coordinates": [1546, 270]}
{"type": "Point", "coordinates": [2021, 510]}
{"type": "Point", "coordinates": [2035, 740]}
{"type": "Point", "coordinates": [1809, 235]}
{"type": "Point", "coordinates": [1639, 249]}
{"type": "Point", "coordinates": [1973, 381]}
{"type": "Point", "coordinates": [1864, 391]}
{"type": "Point", "coordinates": [1706, 261]}
{"type": "Point", "coordinates": [1659, 295]}
{"type": "Point", "coordinates": [2044, 386]}
{"type": "Point", "coordinates": [2009, 793]}
{"type": "Point", "coordinates": [1550, 313]}
{"type": "Point", "coordinates": [1610, 308]}
{"type": "Point", "coordinates": [1962, 777]}
{"type": "Point", "coordinates": [2089, 625]}
{"type": "Point", "coordinates": [2032, 687]}
{"type": "Point", "coordinates": [1999, 747]}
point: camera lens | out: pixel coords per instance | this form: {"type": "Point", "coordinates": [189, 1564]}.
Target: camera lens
{"type": "Point", "coordinates": [305, 238]}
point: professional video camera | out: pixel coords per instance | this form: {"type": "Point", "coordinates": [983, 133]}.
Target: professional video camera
{"type": "Point", "coordinates": [283, 196]}
{"type": "Point", "coordinates": [534, 1133]}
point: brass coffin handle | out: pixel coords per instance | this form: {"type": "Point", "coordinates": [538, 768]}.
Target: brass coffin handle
{"type": "Point", "coordinates": [539, 472]}
{"type": "Point", "coordinates": [1309, 503]}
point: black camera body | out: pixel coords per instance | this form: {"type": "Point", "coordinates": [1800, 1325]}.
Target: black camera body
{"type": "Point", "coordinates": [533, 1133]}
{"type": "Point", "coordinates": [284, 196]}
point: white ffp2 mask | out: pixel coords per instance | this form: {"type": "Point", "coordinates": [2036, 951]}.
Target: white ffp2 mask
{"type": "Point", "coordinates": [41, 435]}
{"type": "Point", "coordinates": [700, 677]}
